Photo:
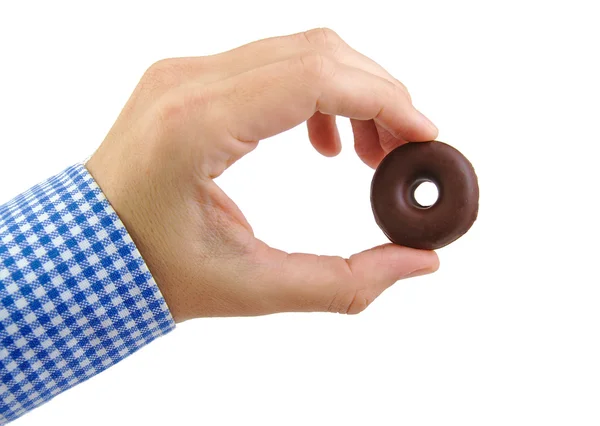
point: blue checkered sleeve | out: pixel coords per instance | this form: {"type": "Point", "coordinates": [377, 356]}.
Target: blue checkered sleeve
{"type": "Point", "coordinates": [75, 294]}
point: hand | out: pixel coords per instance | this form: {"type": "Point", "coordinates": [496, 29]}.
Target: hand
{"type": "Point", "coordinates": [189, 119]}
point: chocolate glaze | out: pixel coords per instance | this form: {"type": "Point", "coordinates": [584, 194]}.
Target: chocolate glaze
{"type": "Point", "coordinates": [398, 214]}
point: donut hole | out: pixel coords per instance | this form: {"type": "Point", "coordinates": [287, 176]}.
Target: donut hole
{"type": "Point", "coordinates": [425, 193]}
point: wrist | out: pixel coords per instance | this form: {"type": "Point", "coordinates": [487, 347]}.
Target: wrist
{"type": "Point", "coordinates": [127, 192]}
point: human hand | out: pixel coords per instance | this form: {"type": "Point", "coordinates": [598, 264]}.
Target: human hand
{"type": "Point", "coordinates": [189, 119]}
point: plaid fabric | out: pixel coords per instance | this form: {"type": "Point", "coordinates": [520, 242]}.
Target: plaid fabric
{"type": "Point", "coordinates": [75, 295]}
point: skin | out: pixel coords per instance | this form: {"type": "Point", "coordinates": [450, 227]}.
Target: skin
{"type": "Point", "coordinates": [189, 119]}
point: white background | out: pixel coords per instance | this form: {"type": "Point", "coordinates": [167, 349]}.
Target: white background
{"type": "Point", "coordinates": [506, 332]}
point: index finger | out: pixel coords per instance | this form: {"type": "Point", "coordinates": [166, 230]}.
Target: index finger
{"type": "Point", "coordinates": [265, 101]}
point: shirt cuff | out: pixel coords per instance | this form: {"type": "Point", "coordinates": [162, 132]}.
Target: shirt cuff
{"type": "Point", "coordinates": [75, 294]}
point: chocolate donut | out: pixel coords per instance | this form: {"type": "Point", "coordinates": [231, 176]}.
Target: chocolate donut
{"type": "Point", "coordinates": [402, 219]}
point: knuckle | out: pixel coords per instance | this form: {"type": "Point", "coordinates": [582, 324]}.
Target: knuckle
{"type": "Point", "coordinates": [323, 39]}
{"type": "Point", "coordinates": [177, 106]}
{"type": "Point", "coordinates": [159, 74]}
{"type": "Point", "coordinates": [170, 72]}
{"type": "Point", "coordinates": [404, 89]}
{"type": "Point", "coordinates": [352, 301]}
{"type": "Point", "coordinates": [359, 302]}
{"type": "Point", "coordinates": [387, 140]}
{"type": "Point", "coordinates": [314, 67]}
{"type": "Point", "coordinates": [351, 296]}
{"type": "Point", "coordinates": [393, 94]}
{"type": "Point", "coordinates": [396, 91]}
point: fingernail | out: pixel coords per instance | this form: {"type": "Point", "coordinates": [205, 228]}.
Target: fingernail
{"type": "Point", "coordinates": [428, 122]}
{"type": "Point", "coordinates": [419, 272]}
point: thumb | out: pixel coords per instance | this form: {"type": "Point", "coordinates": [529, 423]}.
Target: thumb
{"type": "Point", "coordinates": [301, 282]}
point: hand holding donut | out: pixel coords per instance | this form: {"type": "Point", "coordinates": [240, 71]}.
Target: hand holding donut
{"type": "Point", "coordinates": [189, 119]}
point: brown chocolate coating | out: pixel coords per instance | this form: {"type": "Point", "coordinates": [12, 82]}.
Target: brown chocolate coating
{"type": "Point", "coordinates": [398, 214]}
